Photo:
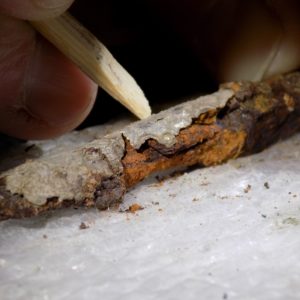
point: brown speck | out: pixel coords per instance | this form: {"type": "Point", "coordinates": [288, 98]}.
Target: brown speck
{"type": "Point", "coordinates": [158, 184]}
{"type": "Point", "coordinates": [157, 178]}
{"type": "Point", "coordinates": [247, 189]}
{"type": "Point", "coordinates": [28, 148]}
{"type": "Point", "coordinates": [160, 209]}
{"type": "Point", "coordinates": [172, 195]}
{"type": "Point", "coordinates": [134, 208]}
{"type": "Point", "coordinates": [45, 236]}
{"type": "Point", "coordinates": [264, 216]}
{"type": "Point", "coordinates": [266, 185]}
{"type": "Point", "coordinates": [195, 199]}
{"type": "Point", "coordinates": [83, 226]}
{"type": "Point", "coordinates": [173, 175]}
{"type": "Point", "coordinates": [155, 202]}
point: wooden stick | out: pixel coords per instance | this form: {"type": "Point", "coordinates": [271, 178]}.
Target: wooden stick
{"type": "Point", "coordinates": [94, 59]}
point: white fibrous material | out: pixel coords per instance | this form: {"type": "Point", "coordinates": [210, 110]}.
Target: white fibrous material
{"type": "Point", "coordinates": [225, 232]}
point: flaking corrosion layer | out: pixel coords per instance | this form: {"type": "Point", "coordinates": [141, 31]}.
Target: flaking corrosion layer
{"type": "Point", "coordinates": [77, 174]}
{"type": "Point", "coordinates": [67, 175]}
{"type": "Point", "coordinates": [249, 118]}
{"type": "Point", "coordinates": [165, 126]}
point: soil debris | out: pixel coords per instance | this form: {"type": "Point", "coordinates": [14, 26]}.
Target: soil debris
{"type": "Point", "coordinates": [83, 226]}
{"type": "Point", "coordinates": [134, 208]}
{"type": "Point", "coordinates": [247, 189]}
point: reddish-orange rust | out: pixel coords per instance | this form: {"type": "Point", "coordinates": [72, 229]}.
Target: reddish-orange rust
{"type": "Point", "coordinates": [198, 144]}
{"type": "Point", "coordinates": [258, 115]}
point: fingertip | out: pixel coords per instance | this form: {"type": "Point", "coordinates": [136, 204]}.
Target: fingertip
{"type": "Point", "coordinates": [56, 97]}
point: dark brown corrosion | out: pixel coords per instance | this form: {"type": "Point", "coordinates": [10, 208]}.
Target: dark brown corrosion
{"type": "Point", "coordinates": [214, 145]}
{"type": "Point", "coordinates": [256, 116]}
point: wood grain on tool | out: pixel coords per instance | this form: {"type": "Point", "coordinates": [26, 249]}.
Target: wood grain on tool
{"type": "Point", "coordinates": [94, 59]}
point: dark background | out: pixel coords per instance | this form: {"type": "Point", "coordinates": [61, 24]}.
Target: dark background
{"type": "Point", "coordinates": [148, 48]}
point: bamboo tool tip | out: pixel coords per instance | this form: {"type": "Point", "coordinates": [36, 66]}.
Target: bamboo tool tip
{"type": "Point", "coordinates": [137, 103]}
{"type": "Point", "coordinates": [122, 86]}
{"type": "Point", "coordinates": [94, 59]}
{"type": "Point", "coordinates": [143, 109]}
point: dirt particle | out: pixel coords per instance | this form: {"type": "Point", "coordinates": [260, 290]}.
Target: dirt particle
{"type": "Point", "coordinates": [133, 208]}
{"type": "Point", "coordinates": [158, 184]}
{"type": "Point", "coordinates": [28, 148]}
{"type": "Point", "coordinates": [172, 175]}
{"type": "Point", "coordinates": [195, 199]}
{"type": "Point", "coordinates": [45, 236]}
{"type": "Point", "coordinates": [263, 215]}
{"type": "Point", "coordinates": [291, 221]}
{"type": "Point", "coordinates": [155, 202]}
{"type": "Point", "coordinates": [83, 226]}
{"type": "Point", "coordinates": [172, 195]}
{"type": "Point", "coordinates": [225, 296]}
{"type": "Point", "coordinates": [247, 189]}
{"type": "Point", "coordinates": [266, 185]}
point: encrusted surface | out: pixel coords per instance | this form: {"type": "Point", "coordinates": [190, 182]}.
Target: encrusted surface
{"type": "Point", "coordinates": [241, 118]}
{"type": "Point", "coordinates": [164, 126]}
{"type": "Point", "coordinates": [76, 174]}
{"type": "Point", "coordinates": [62, 175]}
{"type": "Point", "coordinates": [199, 236]}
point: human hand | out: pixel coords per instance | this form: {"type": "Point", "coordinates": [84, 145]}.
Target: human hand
{"type": "Point", "coordinates": [238, 39]}
{"type": "Point", "coordinates": [43, 94]}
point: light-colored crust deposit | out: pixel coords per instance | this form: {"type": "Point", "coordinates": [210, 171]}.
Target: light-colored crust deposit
{"type": "Point", "coordinates": [241, 118]}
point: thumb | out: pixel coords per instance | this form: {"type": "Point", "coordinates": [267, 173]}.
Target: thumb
{"type": "Point", "coordinates": [235, 39]}
{"type": "Point", "coordinates": [34, 9]}
{"type": "Point", "coordinates": [265, 43]}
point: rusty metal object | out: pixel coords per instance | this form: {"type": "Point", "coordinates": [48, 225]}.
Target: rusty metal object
{"type": "Point", "coordinates": [240, 119]}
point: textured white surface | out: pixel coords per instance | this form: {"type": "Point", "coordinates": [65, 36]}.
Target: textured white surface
{"type": "Point", "coordinates": [203, 235]}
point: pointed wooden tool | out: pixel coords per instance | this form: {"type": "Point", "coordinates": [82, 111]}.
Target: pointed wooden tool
{"type": "Point", "coordinates": [94, 59]}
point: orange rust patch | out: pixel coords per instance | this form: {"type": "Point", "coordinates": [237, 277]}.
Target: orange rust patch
{"type": "Point", "coordinates": [134, 208]}
{"type": "Point", "coordinates": [204, 145]}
